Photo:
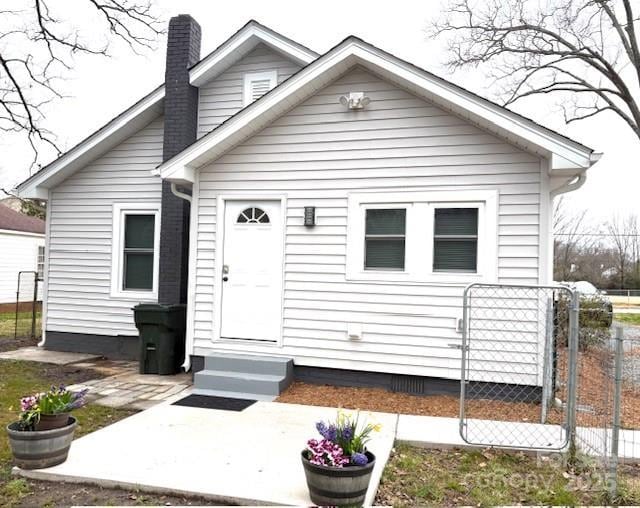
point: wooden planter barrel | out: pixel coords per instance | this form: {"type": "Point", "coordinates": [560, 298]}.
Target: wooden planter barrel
{"type": "Point", "coordinates": [37, 449]}
{"type": "Point", "coordinates": [338, 486]}
{"type": "Point", "coordinates": [50, 422]}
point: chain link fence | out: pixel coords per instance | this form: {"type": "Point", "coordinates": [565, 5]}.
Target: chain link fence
{"type": "Point", "coordinates": [548, 369]}
{"type": "Point", "coordinates": [28, 306]}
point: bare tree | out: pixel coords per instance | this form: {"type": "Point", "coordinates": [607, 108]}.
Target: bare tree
{"type": "Point", "coordinates": [38, 43]}
{"type": "Point", "coordinates": [586, 51]}
{"type": "Point", "coordinates": [568, 230]}
{"type": "Point", "coordinates": [622, 231]}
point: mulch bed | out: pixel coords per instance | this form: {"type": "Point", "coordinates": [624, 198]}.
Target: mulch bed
{"type": "Point", "coordinates": [594, 399]}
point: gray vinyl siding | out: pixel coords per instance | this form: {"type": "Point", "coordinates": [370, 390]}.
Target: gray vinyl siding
{"type": "Point", "coordinates": [81, 208]}
{"type": "Point", "coordinates": [222, 97]}
{"type": "Point", "coordinates": [319, 152]}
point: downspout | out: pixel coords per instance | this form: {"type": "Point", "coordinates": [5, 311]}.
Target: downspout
{"type": "Point", "coordinates": [186, 365]}
{"type": "Point", "coordinates": [178, 194]}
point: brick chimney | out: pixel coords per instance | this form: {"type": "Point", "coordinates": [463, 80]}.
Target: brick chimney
{"type": "Point", "coordinates": [180, 128]}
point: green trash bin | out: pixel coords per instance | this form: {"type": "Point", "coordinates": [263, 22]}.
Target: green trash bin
{"type": "Point", "coordinates": [161, 329]}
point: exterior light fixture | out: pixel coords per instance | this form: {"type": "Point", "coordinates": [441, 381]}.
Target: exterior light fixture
{"type": "Point", "coordinates": [355, 100]}
{"type": "Point", "coordinates": [309, 216]}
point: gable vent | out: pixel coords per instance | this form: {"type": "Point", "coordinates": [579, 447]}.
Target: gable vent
{"type": "Point", "coordinates": [256, 84]}
{"type": "Point", "coordinates": [259, 87]}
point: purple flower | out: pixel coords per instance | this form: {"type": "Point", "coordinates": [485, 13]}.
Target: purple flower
{"type": "Point", "coordinates": [347, 433]}
{"type": "Point", "coordinates": [79, 395]}
{"type": "Point", "coordinates": [329, 432]}
{"type": "Point", "coordinates": [359, 459]}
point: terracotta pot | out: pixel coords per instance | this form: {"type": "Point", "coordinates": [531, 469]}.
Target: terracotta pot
{"type": "Point", "coordinates": [50, 422]}
{"type": "Point", "coordinates": [36, 449]}
{"type": "Point", "coordinates": [338, 486]}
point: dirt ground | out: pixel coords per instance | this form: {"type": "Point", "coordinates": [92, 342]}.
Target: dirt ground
{"type": "Point", "coordinates": [60, 494]}
{"type": "Point", "coordinates": [9, 343]}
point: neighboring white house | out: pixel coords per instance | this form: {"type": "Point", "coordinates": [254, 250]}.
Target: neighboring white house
{"type": "Point", "coordinates": [21, 250]}
{"type": "Point", "coordinates": [340, 203]}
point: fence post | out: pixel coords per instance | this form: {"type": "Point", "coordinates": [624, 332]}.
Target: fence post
{"type": "Point", "coordinates": [572, 382]}
{"type": "Point", "coordinates": [617, 405]}
{"type": "Point", "coordinates": [34, 305]}
{"type": "Point", "coordinates": [463, 361]}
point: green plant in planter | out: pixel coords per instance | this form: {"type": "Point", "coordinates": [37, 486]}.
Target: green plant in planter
{"type": "Point", "coordinates": [343, 442]}
{"type": "Point", "coordinates": [57, 400]}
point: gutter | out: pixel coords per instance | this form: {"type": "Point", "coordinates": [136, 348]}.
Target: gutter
{"type": "Point", "coordinates": [578, 180]}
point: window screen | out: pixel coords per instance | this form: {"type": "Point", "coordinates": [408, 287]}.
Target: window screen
{"type": "Point", "coordinates": [385, 239]}
{"type": "Point", "coordinates": [138, 252]}
{"type": "Point", "coordinates": [455, 242]}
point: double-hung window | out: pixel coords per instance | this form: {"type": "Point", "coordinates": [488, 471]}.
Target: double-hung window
{"type": "Point", "coordinates": [385, 230]}
{"type": "Point", "coordinates": [455, 240]}
{"type": "Point", "coordinates": [441, 236]}
{"type": "Point", "coordinates": [135, 250]}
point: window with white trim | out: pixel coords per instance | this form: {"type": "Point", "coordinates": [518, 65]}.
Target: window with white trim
{"type": "Point", "coordinates": [40, 262]}
{"type": "Point", "coordinates": [422, 236]}
{"type": "Point", "coordinates": [455, 240]}
{"type": "Point", "coordinates": [135, 250]}
{"type": "Point", "coordinates": [384, 238]}
{"type": "Point", "coordinates": [256, 84]}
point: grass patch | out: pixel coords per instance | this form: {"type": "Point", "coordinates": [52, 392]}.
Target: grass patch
{"type": "Point", "coordinates": [8, 324]}
{"type": "Point", "coordinates": [21, 378]}
{"type": "Point", "coordinates": [632, 319]}
{"type": "Point", "coordinates": [416, 476]}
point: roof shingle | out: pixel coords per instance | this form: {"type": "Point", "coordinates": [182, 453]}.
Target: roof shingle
{"type": "Point", "coordinates": [16, 221]}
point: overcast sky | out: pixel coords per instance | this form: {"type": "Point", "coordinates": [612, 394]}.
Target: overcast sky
{"type": "Point", "coordinates": [100, 88]}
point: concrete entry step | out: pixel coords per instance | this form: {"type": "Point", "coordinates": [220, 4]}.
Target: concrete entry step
{"type": "Point", "coordinates": [273, 365]}
{"type": "Point", "coordinates": [243, 376]}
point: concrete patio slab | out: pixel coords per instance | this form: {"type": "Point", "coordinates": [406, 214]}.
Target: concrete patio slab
{"type": "Point", "coordinates": [247, 457]}
{"type": "Point", "coordinates": [38, 354]}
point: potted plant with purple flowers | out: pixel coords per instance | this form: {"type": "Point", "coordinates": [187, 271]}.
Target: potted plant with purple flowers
{"type": "Point", "coordinates": [338, 467]}
{"type": "Point", "coordinates": [43, 434]}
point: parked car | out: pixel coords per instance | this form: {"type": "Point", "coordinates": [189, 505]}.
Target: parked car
{"type": "Point", "coordinates": [595, 305]}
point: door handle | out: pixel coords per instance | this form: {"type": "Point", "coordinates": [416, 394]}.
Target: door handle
{"type": "Point", "coordinates": [225, 278]}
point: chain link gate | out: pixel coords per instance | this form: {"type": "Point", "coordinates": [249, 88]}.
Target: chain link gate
{"type": "Point", "coordinates": [518, 376]}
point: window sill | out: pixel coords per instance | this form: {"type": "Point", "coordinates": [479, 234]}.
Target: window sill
{"type": "Point", "coordinates": [135, 295]}
{"type": "Point", "coordinates": [413, 279]}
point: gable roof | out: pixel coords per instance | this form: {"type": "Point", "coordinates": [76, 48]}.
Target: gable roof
{"type": "Point", "coordinates": [152, 105]}
{"type": "Point", "coordinates": [565, 155]}
{"type": "Point", "coordinates": [16, 221]}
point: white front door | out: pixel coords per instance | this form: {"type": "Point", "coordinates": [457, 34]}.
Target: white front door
{"type": "Point", "coordinates": [251, 277]}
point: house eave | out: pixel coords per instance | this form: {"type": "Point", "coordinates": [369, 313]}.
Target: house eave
{"type": "Point", "coordinates": [98, 143]}
{"type": "Point", "coordinates": [562, 152]}
{"type": "Point", "coordinates": [242, 43]}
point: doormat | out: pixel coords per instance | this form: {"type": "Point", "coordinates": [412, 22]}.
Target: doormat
{"type": "Point", "coordinates": [211, 402]}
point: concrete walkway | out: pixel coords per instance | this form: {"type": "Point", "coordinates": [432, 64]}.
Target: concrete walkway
{"type": "Point", "coordinates": [123, 387]}
{"type": "Point", "coordinates": [39, 354]}
{"type": "Point", "coordinates": [248, 457]}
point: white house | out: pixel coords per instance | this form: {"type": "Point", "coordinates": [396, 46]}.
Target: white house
{"type": "Point", "coordinates": [335, 208]}
{"type": "Point", "coordinates": [21, 252]}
